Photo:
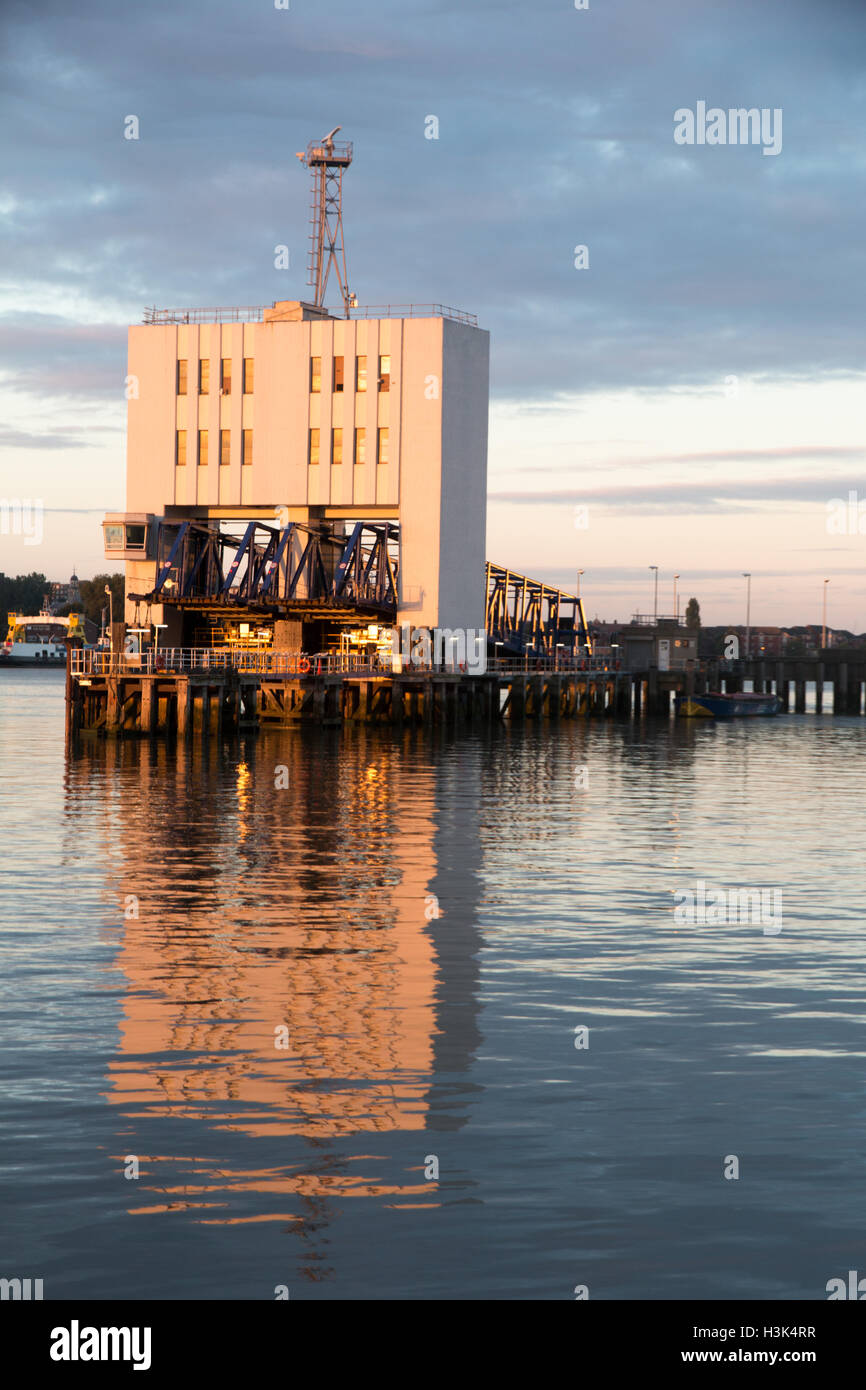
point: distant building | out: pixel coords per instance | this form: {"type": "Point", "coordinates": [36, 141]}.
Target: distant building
{"type": "Point", "coordinates": [61, 595]}
{"type": "Point", "coordinates": [762, 641]}
{"type": "Point", "coordinates": [644, 642]}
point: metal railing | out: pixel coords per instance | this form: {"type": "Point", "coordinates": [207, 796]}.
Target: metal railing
{"type": "Point", "coordinates": [179, 660]}
{"type": "Point", "coordinates": [86, 662]}
{"type": "Point", "coordinates": [412, 311]}
{"type": "Point", "coordinates": [245, 313]}
{"type": "Point", "coordinates": [255, 313]}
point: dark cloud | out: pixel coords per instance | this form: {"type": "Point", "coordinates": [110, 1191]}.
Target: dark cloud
{"type": "Point", "coordinates": [555, 129]}
{"type": "Point", "coordinates": [50, 356]}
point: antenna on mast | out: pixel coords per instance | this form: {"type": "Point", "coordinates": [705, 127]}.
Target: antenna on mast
{"type": "Point", "coordinates": [327, 159]}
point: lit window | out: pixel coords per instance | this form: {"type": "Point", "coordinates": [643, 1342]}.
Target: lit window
{"type": "Point", "coordinates": [338, 373]}
{"type": "Point", "coordinates": [225, 448]}
{"type": "Point", "coordinates": [226, 375]}
{"type": "Point", "coordinates": [361, 374]}
{"type": "Point", "coordinates": [248, 447]}
{"type": "Point", "coordinates": [181, 376]}
{"type": "Point", "coordinates": [314, 446]}
{"type": "Point", "coordinates": [336, 446]}
{"type": "Point", "coordinates": [315, 373]}
{"type": "Point", "coordinates": [180, 449]}
{"type": "Point", "coordinates": [360, 446]}
{"type": "Point", "coordinates": [385, 373]}
{"type": "Point", "coordinates": [382, 452]}
{"type": "Point", "coordinates": [204, 376]}
{"type": "Point", "coordinates": [202, 448]}
{"type": "Point", "coordinates": [249, 373]}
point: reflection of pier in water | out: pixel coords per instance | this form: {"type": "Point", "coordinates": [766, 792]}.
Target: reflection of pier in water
{"type": "Point", "coordinates": [305, 908]}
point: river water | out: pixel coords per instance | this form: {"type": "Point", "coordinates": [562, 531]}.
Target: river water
{"type": "Point", "coordinates": [411, 1015]}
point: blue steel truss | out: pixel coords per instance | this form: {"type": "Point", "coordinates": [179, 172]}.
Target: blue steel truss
{"type": "Point", "coordinates": [271, 569]}
{"type": "Point", "coordinates": [530, 618]}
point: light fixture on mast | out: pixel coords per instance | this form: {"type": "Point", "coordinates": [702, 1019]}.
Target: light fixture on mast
{"type": "Point", "coordinates": [327, 159]}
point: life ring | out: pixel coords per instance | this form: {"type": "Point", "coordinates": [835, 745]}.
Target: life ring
{"type": "Point", "coordinates": [303, 665]}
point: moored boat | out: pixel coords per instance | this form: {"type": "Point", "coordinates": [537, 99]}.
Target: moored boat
{"type": "Point", "coordinates": [716, 705]}
{"type": "Point", "coordinates": [40, 640]}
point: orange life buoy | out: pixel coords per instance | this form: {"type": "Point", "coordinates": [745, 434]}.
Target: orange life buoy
{"type": "Point", "coordinates": [303, 665]}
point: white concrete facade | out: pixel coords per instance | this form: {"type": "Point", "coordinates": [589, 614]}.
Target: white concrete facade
{"type": "Point", "coordinates": [432, 476]}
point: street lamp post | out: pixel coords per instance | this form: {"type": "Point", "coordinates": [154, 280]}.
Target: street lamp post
{"type": "Point", "coordinates": [824, 618]}
{"type": "Point", "coordinates": [676, 605]}
{"type": "Point", "coordinates": [110, 606]}
{"type": "Point", "coordinates": [655, 570]}
{"type": "Point", "coordinates": [577, 641]}
{"type": "Point", "coordinates": [748, 579]}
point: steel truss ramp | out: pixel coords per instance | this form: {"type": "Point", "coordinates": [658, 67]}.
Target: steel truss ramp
{"type": "Point", "coordinates": [526, 616]}
{"type": "Point", "coordinates": [295, 570]}
{"type": "Point", "coordinates": [369, 572]}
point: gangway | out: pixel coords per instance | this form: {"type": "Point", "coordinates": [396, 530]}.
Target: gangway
{"type": "Point", "coordinates": [527, 617]}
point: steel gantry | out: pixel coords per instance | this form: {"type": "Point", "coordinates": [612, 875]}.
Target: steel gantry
{"type": "Point", "coordinates": [295, 570]}
{"type": "Point", "coordinates": [526, 616]}
{"type": "Point", "coordinates": [328, 160]}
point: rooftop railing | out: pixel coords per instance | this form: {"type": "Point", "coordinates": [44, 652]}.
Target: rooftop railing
{"type": "Point", "coordinates": [246, 313]}
{"type": "Point", "coordinates": [412, 311]}
{"type": "Point", "coordinates": [252, 313]}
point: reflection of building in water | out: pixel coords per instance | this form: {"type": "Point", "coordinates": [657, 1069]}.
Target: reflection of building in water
{"type": "Point", "coordinates": [304, 907]}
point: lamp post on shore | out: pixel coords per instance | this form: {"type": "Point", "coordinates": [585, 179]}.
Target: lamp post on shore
{"type": "Point", "coordinates": [676, 604]}
{"type": "Point", "coordinates": [655, 570]}
{"type": "Point", "coordinates": [748, 579]}
{"type": "Point", "coordinates": [577, 614]}
{"type": "Point", "coordinates": [824, 618]}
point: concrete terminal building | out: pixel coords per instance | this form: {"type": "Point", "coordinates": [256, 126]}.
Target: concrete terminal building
{"type": "Point", "coordinates": [296, 416]}
{"type": "Point", "coordinates": [304, 480]}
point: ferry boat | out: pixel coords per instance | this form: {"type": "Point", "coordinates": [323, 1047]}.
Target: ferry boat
{"type": "Point", "coordinates": [40, 640]}
{"type": "Point", "coordinates": [715, 705]}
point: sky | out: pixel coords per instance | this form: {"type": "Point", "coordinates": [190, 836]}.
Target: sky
{"type": "Point", "coordinates": [687, 392]}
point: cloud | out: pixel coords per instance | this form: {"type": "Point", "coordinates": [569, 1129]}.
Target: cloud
{"type": "Point", "coordinates": [703, 262]}
{"type": "Point", "coordinates": [23, 439]}
{"type": "Point", "coordinates": [702, 498]}
{"type": "Point", "coordinates": [50, 357]}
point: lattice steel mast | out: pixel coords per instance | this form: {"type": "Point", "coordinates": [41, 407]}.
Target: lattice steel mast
{"type": "Point", "coordinates": [327, 161]}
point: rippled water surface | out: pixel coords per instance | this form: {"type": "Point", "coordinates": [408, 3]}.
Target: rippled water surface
{"type": "Point", "coordinates": [245, 986]}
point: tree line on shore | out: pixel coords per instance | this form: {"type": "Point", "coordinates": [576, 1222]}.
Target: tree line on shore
{"type": "Point", "coordinates": [26, 593]}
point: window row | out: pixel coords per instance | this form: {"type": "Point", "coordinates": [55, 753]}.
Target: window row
{"type": "Point", "coordinates": [203, 448]}
{"type": "Point", "coordinates": [383, 381]}
{"type": "Point", "coordinates": [225, 383]}
{"type": "Point", "coordinates": [359, 451]}
{"type": "Point", "coordinates": [357, 442]}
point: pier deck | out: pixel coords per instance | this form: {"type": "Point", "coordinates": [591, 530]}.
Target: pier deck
{"type": "Point", "coordinates": [186, 691]}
